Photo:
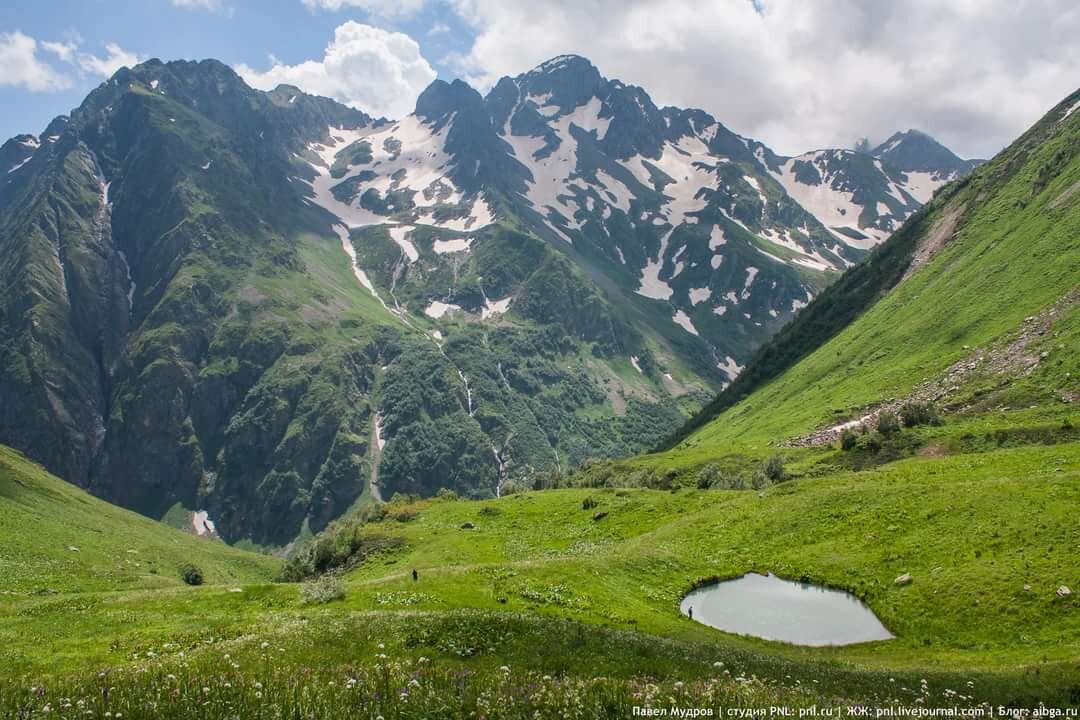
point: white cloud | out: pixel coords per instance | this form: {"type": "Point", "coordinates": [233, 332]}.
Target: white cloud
{"type": "Point", "coordinates": [379, 8]}
{"type": "Point", "coordinates": [63, 50]}
{"type": "Point", "coordinates": [371, 69]}
{"type": "Point", "coordinates": [20, 65]}
{"type": "Point", "coordinates": [799, 75]}
{"type": "Point", "coordinates": [211, 5]}
{"type": "Point", "coordinates": [116, 58]}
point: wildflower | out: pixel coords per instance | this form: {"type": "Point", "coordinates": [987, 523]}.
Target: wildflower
{"type": "Point", "coordinates": [718, 664]}
{"type": "Point", "coordinates": [206, 691]}
{"type": "Point", "coordinates": [258, 694]}
{"type": "Point", "coordinates": [504, 668]}
{"type": "Point", "coordinates": [382, 646]}
{"type": "Point", "coordinates": [258, 686]}
{"type": "Point", "coordinates": [265, 645]}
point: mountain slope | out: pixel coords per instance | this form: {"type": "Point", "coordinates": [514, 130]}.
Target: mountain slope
{"type": "Point", "coordinates": [707, 238]}
{"type": "Point", "coordinates": [958, 286]}
{"type": "Point", "coordinates": [58, 538]}
{"type": "Point", "coordinates": [184, 321]}
{"type": "Point", "coordinates": [270, 307]}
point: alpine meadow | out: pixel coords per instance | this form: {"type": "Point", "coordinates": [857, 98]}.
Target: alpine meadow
{"type": "Point", "coordinates": [548, 398]}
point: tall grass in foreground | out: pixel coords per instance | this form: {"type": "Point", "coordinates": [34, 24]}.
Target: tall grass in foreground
{"type": "Point", "coordinates": [387, 689]}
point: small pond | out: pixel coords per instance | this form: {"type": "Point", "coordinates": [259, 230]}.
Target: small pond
{"type": "Point", "coordinates": [769, 607]}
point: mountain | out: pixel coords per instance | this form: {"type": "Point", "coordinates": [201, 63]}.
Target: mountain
{"type": "Point", "coordinates": [723, 239]}
{"type": "Point", "coordinates": [270, 307]}
{"type": "Point", "coordinates": [971, 305]}
{"type": "Point", "coordinates": [915, 151]}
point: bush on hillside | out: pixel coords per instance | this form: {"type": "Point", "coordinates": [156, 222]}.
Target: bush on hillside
{"type": "Point", "coordinates": [888, 424]}
{"type": "Point", "coordinates": [849, 439]}
{"type": "Point", "coordinates": [708, 477]}
{"type": "Point", "coordinates": [589, 503]}
{"type": "Point", "coordinates": [339, 547]}
{"type": "Point", "coordinates": [913, 414]}
{"type": "Point", "coordinates": [773, 469]}
{"type": "Point", "coordinates": [191, 574]}
{"type": "Point", "coordinates": [323, 589]}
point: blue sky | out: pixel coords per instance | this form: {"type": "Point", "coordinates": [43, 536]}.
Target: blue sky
{"type": "Point", "coordinates": [797, 75]}
{"type": "Point", "coordinates": [239, 31]}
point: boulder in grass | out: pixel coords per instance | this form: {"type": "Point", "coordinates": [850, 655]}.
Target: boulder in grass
{"type": "Point", "coordinates": [467, 526]}
{"type": "Point", "coordinates": [904, 579]}
{"type": "Point", "coordinates": [1063, 592]}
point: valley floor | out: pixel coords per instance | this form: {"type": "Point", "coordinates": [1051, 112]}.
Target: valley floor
{"type": "Point", "coordinates": [565, 602]}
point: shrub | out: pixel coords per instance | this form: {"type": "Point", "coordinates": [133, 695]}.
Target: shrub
{"type": "Point", "coordinates": [888, 424]}
{"type": "Point", "coordinates": [773, 469]}
{"type": "Point", "coordinates": [191, 574]}
{"type": "Point", "coordinates": [708, 477]}
{"type": "Point", "coordinates": [848, 439]}
{"type": "Point", "coordinates": [589, 503]}
{"type": "Point", "coordinates": [323, 589]}
{"type": "Point", "coordinates": [446, 494]}
{"type": "Point", "coordinates": [913, 414]}
{"type": "Point", "coordinates": [339, 547]}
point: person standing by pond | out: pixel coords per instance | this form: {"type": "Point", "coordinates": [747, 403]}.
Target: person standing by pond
{"type": "Point", "coordinates": [689, 608]}
{"type": "Point", "coordinates": [415, 575]}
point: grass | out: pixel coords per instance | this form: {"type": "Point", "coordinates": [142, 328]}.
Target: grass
{"type": "Point", "coordinates": [537, 584]}
{"type": "Point", "coordinates": [59, 539]}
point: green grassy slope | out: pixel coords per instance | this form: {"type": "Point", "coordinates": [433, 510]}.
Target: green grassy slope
{"type": "Point", "coordinates": [58, 538]}
{"type": "Point", "coordinates": [603, 594]}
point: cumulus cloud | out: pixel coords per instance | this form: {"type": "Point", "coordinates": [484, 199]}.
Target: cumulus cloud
{"type": "Point", "coordinates": [371, 69]}
{"type": "Point", "coordinates": [380, 8]}
{"type": "Point", "coordinates": [800, 75]}
{"type": "Point", "coordinates": [115, 58]}
{"type": "Point", "coordinates": [20, 65]}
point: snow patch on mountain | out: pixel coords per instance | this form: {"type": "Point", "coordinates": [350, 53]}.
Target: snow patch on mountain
{"type": "Point", "coordinates": [651, 286]}
{"type": "Point", "coordinates": [833, 208]}
{"type": "Point", "coordinates": [19, 164]}
{"type": "Point", "coordinates": [444, 247]}
{"type": "Point", "coordinates": [400, 235]}
{"type": "Point", "coordinates": [699, 295]}
{"type": "Point", "coordinates": [495, 307]}
{"type": "Point", "coordinates": [751, 273]}
{"type": "Point", "coordinates": [683, 319]}
{"type": "Point", "coordinates": [922, 185]}
{"type": "Point", "coordinates": [438, 308]}
{"type": "Point", "coordinates": [729, 367]}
